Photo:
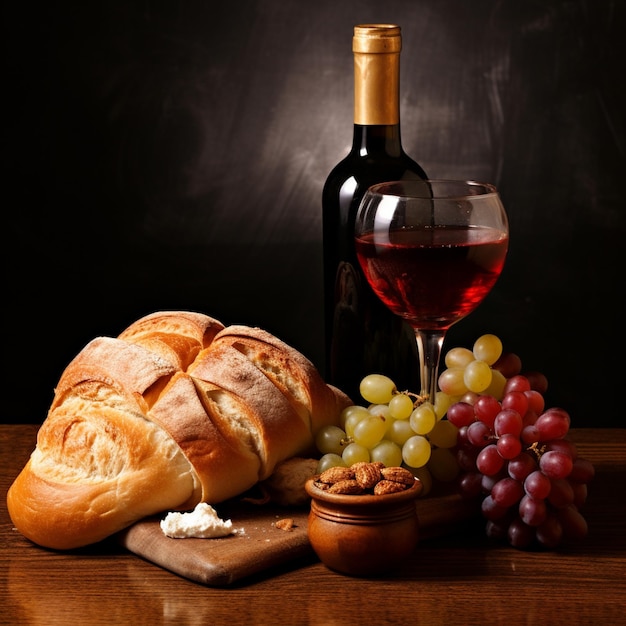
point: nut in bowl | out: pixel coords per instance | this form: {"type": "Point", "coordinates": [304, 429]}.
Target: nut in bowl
{"type": "Point", "coordinates": [362, 523]}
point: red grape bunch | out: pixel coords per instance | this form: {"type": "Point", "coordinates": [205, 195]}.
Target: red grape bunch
{"type": "Point", "coordinates": [514, 455]}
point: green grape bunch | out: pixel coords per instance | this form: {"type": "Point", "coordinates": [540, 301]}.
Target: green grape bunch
{"type": "Point", "coordinates": [402, 428]}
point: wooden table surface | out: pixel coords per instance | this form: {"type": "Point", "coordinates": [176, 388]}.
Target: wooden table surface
{"type": "Point", "coordinates": [459, 579]}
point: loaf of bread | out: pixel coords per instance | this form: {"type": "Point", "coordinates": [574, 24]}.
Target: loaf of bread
{"type": "Point", "coordinates": [176, 410]}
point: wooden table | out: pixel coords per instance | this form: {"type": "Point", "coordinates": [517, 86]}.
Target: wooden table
{"type": "Point", "coordinates": [459, 579]}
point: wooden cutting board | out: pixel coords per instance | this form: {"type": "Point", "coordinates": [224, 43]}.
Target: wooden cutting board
{"type": "Point", "coordinates": [259, 545]}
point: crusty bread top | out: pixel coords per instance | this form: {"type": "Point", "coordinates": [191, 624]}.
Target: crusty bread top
{"type": "Point", "coordinates": [176, 410]}
{"type": "Point", "coordinates": [268, 420]}
{"type": "Point", "coordinates": [177, 336]}
{"type": "Point", "coordinates": [133, 368]}
{"type": "Point", "coordinates": [98, 466]}
{"type": "Point", "coordinates": [290, 371]}
{"type": "Point", "coordinates": [225, 457]}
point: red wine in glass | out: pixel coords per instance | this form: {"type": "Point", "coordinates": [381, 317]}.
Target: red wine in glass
{"type": "Point", "coordinates": [433, 277]}
{"type": "Point", "coordinates": [431, 251]}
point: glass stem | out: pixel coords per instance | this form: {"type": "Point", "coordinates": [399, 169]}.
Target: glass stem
{"type": "Point", "coordinates": [429, 344]}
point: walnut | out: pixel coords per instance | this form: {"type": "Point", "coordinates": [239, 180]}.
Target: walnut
{"type": "Point", "coordinates": [334, 474]}
{"type": "Point", "coordinates": [348, 486]}
{"type": "Point", "coordinates": [367, 475]}
{"type": "Point", "coordinates": [388, 486]}
{"type": "Point", "coordinates": [398, 475]}
{"type": "Point", "coordinates": [364, 478]}
{"type": "Point", "coordinates": [321, 486]}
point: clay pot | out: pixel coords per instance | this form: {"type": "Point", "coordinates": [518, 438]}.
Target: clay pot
{"type": "Point", "coordinates": [363, 535]}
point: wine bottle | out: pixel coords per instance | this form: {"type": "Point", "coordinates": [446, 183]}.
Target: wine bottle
{"type": "Point", "coordinates": [362, 336]}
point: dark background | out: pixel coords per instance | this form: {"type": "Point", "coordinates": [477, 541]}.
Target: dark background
{"type": "Point", "coordinates": [171, 155]}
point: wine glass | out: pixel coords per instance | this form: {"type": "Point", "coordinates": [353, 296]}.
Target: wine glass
{"type": "Point", "coordinates": [431, 251]}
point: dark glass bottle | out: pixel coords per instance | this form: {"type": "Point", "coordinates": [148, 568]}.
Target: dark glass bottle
{"type": "Point", "coordinates": [362, 335]}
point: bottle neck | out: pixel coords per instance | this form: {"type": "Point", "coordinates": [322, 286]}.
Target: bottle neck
{"type": "Point", "coordinates": [376, 50]}
{"type": "Point", "coordinates": [377, 138]}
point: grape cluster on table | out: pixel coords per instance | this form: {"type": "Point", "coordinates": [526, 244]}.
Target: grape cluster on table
{"type": "Point", "coordinates": [489, 429]}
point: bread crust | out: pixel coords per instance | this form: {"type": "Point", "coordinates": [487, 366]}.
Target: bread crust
{"type": "Point", "coordinates": [176, 410]}
{"type": "Point", "coordinates": [224, 463]}
{"type": "Point", "coordinates": [294, 374]}
{"type": "Point", "coordinates": [177, 336]}
{"type": "Point", "coordinates": [98, 466]}
{"type": "Point", "coordinates": [277, 430]}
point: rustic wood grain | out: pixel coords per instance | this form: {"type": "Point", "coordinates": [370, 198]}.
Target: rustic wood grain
{"type": "Point", "coordinates": [260, 545]}
{"type": "Point", "coordinates": [459, 578]}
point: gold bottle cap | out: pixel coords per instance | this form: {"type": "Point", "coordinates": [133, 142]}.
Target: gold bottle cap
{"type": "Point", "coordinates": [373, 38]}
{"type": "Point", "coordinates": [376, 49]}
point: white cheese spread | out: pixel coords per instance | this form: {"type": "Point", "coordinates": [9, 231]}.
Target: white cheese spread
{"type": "Point", "coordinates": [203, 522]}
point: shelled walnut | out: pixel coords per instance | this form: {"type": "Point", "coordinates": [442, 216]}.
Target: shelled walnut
{"type": "Point", "coordinates": [364, 478]}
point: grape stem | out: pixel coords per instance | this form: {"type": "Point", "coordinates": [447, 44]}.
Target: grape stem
{"type": "Point", "coordinates": [417, 398]}
{"type": "Point", "coordinates": [536, 449]}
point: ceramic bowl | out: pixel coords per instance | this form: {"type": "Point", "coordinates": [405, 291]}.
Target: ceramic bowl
{"type": "Point", "coordinates": [363, 535]}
